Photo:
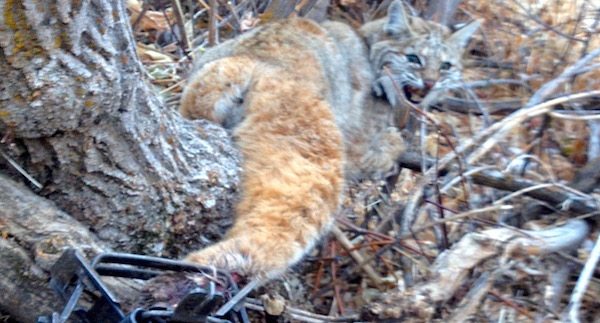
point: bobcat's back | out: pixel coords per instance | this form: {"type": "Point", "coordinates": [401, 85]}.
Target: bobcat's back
{"type": "Point", "coordinates": [331, 58]}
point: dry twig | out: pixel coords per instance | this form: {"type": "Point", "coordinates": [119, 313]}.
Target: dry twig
{"type": "Point", "coordinates": [356, 255]}
{"type": "Point", "coordinates": [572, 311]}
{"type": "Point", "coordinates": [180, 20]}
{"type": "Point", "coordinates": [212, 28]}
{"type": "Point", "coordinates": [507, 182]}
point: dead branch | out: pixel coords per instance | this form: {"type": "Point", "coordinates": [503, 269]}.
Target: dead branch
{"type": "Point", "coordinates": [547, 89]}
{"type": "Point", "coordinates": [213, 33]}
{"type": "Point", "coordinates": [300, 315]}
{"type": "Point", "coordinates": [220, 22]}
{"type": "Point", "coordinates": [451, 269]}
{"type": "Point", "coordinates": [314, 9]}
{"type": "Point", "coordinates": [473, 299]}
{"type": "Point", "coordinates": [572, 311]}
{"type": "Point", "coordinates": [356, 255]}
{"type": "Point", "coordinates": [180, 20]}
{"type": "Point", "coordinates": [507, 182]}
{"type": "Point", "coordinates": [471, 106]}
{"type": "Point", "coordinates": [594, 145]}
{"type": "Point", "coordinates": [551, 194]}
{"type": "Point", "coordinates": [557, 283]}
{"type": "Point", "coordinates": [500, 129]}
{"type": "Point", "coordinates": [281, 9]}
{"type": "Point", "coordinates": [442, 11]}
{"type": "Point", "coordinates": [21, 171]}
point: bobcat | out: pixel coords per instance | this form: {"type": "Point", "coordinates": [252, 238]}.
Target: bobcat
{"type": "Point", "coordinates": [311, 108]}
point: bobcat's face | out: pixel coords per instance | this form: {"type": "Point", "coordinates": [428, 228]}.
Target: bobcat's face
{"type": "Point", "coordinates": [422, 57]}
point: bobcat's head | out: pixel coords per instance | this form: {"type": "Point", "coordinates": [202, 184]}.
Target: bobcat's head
{"type": "Point", "coordinates": [423, 57]}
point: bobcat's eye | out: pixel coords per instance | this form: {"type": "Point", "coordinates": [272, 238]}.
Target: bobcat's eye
{"type": "Point", "coordinates": [412, 58]}
{"type": "Point", "coordinates": [445, 66]}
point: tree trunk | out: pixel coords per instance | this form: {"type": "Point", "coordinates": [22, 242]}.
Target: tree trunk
{"type": "Point", "coordinates": [35, 232]}
{"type": "Point", "coordinates": [78, 116]}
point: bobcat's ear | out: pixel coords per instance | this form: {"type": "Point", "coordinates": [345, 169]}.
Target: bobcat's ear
{"type": "Point", "coordinates": [397, 21]}
{"type": "Point", "coordinates": [461, 37]}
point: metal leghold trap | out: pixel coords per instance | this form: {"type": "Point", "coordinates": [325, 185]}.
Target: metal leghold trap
{"type": "Point", "coordinates": [88, 300]}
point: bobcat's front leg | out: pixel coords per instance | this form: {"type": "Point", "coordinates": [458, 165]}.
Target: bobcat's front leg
{"type": "Point", "coordinates": [383, 152]}
{"type": "Point", "coordinates": [216, 92]}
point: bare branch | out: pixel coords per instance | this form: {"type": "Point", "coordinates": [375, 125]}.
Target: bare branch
{"type": "Point", "coordinates": [571, 71]}
{"type": "Point", "coordinates": [301, 315]}
{"type": "Point", "coordinates": [572, 311]}
{"type": "Point", "coordinates": [355, 254]}
{"type": "Point", "coordinates": [442, 11]}
{"type": "Point", "coordinates": [554, 195]}
{"type": "Point", "coordinates": [212, 29]}
{"type": "Point", "coordinates": [181, 24]}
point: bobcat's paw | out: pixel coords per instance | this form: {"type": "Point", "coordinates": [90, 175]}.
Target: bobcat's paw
{"type": "Point", "coordinates": [383, 153]}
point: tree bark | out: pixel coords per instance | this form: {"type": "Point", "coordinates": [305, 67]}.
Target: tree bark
{"type": "Point", "coordinates": [35, 232]}
{"type": "Point", "coordinates": [78, 115]}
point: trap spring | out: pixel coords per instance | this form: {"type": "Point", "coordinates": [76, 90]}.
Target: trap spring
{"type": "Point", "coordinates": [87, 299]}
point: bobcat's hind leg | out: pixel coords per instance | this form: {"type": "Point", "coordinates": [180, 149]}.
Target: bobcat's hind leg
{"type": "Point", "coordinates": [216, 92]}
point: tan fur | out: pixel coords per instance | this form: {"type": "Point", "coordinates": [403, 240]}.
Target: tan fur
{"type": "Point", "coordinates": [297, 96]}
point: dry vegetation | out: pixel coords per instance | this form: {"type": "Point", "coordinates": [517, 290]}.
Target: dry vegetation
{"type": "Point", "coordinates": [498, 223]}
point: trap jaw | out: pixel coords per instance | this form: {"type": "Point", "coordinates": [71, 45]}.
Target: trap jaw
{"type": "Point", "coordinates": [88, 300]}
